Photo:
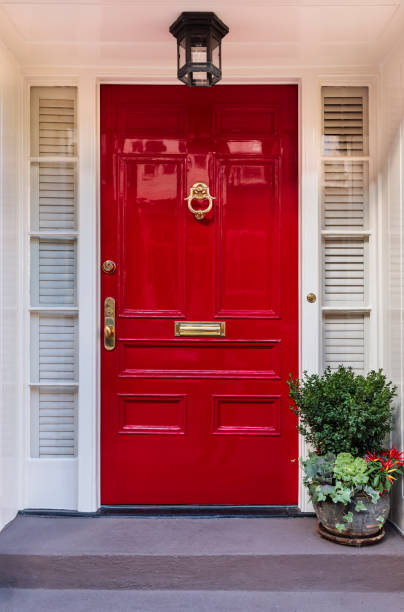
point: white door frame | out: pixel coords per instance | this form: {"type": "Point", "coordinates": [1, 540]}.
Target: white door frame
{"type": "Point", "coordinates": [83, 473]}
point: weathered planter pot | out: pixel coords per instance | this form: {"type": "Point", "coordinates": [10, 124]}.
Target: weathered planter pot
{"type": "Point", "coordinates": [363, 524]}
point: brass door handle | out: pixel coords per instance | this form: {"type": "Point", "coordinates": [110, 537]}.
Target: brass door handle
{"type": "Point", "coordinates": [109, 324]}
{"type": "Point", "coordinates": [109, 331]}
{"type": "Point", "coordinates": [199, 191]}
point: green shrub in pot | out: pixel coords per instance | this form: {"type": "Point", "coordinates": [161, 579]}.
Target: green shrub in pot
{"type": "Point", "coordinates": [340, 412]}
{"type": "Point", "coordinates": [346, 418]}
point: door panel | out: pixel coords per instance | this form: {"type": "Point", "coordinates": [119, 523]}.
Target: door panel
{"type": "Point", "coordinates": [153, 237]}
{"type": "Point", "coordinates": [199, 420]}
{"type": "Point", "coordinates": [248, 254]}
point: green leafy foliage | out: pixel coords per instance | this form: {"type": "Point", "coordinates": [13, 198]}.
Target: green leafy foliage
{"type": "Point", "coordinates": [373, 494]}
{"type": "Point", "coordinates": [340, 412]}
{"type": "Point", "coordinates": [337, 478]}
{"type": "Point", "coordinates": [360, 506]}
{"type": "Point", "coordinates": [352, 471]}
{"type": "Point", "coordinates": [380, 521]}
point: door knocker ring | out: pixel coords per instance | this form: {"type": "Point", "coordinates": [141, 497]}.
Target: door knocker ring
{"type": "Point", "coordinates": [199, 191]}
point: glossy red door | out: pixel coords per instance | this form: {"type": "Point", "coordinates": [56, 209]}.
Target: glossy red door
{"type": "Point", "coordinates": [200, 420]}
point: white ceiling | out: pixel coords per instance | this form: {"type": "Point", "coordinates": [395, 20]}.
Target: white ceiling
{"type": "Point", "coordinates": [130, 33]}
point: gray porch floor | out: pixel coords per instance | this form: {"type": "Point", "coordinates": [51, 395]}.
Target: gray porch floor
{"type": "Point", "coordinates": [39, 600]}
{"type": "Point", "coordinates": [153, 564]}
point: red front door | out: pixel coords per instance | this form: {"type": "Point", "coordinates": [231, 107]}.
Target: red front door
{"type": "Point", "coordinates": [199, 419]}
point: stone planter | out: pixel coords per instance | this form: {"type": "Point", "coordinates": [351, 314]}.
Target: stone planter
{"type": "Point", "coordinates": [363, 524]}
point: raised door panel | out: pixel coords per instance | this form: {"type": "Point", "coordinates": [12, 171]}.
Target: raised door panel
{"type": "Point", "coordinates": [152, 230]}
{"type": "Point", "coordinates": [248, 246]}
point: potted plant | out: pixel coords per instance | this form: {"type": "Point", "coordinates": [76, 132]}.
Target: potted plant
{"type": "Point", "coordinates": [345, 418]}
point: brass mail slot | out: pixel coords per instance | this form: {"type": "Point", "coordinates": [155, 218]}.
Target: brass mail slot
{"type": "Point", "coordinates": [200, 328]}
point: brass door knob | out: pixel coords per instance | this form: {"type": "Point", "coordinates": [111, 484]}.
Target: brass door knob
{"type": "Point", "coordinates": [109, 331]}
{"type": "Point", "coordinates": [311, 297]}
{"type": "Point", "coordinates": [109, 266]}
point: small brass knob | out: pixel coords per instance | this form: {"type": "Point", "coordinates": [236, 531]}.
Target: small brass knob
{"type": "Point", "coordinates": [109, 266]}
{"type": "Point", "coordinates": [311, 297]}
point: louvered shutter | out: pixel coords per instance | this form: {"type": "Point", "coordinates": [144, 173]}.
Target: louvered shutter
{"type": "Point", "coordinates": [345, 221]}
{"type": "Point", "coordinates": [53, 123]}
{"type": "Point", "coordinates": [53, 279]}
{"type": "Point", "coordinates": [54, 342]}
{"type": "Point", "coordinates": [57, 422]}
{"type": "Point", "coordinates": [53, 196]}
{"type": "Point", "coordinates": [54, 421]}
{"type": "Point", "coordinates": [345, 121]}
{"type": "Point", "coordinates": [345, 188]}
{"type": "Point", "coordinates": [344, 341]}
{"type": "Point", "coordinates": [54, 319]}
{"type": "Point", "coordinates": [344, 272]}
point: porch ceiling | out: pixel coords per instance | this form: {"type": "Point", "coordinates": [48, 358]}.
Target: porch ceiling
{"type": "Point", "coordinates": [263, 33]}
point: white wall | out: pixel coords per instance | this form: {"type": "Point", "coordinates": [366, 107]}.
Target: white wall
{"type": "Point", "coordinates": [10, 464]}
{"type": "Point", "coordinates": [391, 178]}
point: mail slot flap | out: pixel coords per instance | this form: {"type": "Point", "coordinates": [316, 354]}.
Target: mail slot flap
{"type": "Point", "coordinates": [200, 328]}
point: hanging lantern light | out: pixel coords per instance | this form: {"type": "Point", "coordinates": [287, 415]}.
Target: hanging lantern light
{"type": "Point", "coordinates": [199, 37]}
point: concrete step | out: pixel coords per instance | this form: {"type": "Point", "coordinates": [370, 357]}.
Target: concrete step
{"type": "Point", "coordinates": [40, 600]}
{"type": "Point", "coordinates": [258, 554]}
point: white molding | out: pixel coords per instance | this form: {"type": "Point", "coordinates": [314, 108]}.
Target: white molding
{"type": "Point", "coordinates": [310, 113]}
{"type": "Point", "coordinates": [88, 81]}
{"type": "Point", "coordinates": [89, 296]}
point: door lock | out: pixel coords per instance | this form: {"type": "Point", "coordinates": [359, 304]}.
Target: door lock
{"type": "Point", "coordinates": [109, 324]}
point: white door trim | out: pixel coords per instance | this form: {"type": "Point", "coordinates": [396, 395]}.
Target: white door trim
{"type": "Point", "coordinates": [83, 473]}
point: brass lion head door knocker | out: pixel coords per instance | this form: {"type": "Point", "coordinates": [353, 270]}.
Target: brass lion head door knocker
{"type": "Point", "coordinates": [199, 191]}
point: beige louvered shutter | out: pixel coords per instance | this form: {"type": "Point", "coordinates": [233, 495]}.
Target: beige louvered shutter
{"type": "Point", "coordinates": [53, 196]}
{"type": "Point", "coordinates": [54, 413]}
{"type": "Point", "coordinates": [344, 272]}
{"type": "Point", "coordinates": [345, 121]}
{"type": "Point", "coordinates": [53, 278]}
{"type": "Point", "coordinates": [344, 341]}
{"type": "Point", "coordinates": [345, 189]}
{"type": "Point", "coordinates": [53, 237]}
{"type": "Point", "coordinates": [53, 125]}
{"type": "Point", "coordinates": [344, 193]}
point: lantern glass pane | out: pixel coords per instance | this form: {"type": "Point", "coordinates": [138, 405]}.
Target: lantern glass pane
{"type": "Point", "coordinates": [200, 79]}
{"type": "Point", "coordinates": [199, 54]}
{"type": "Point", "coordinates": [215, 53]}
{"type": "Point", "coordinates": [182, 53]}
